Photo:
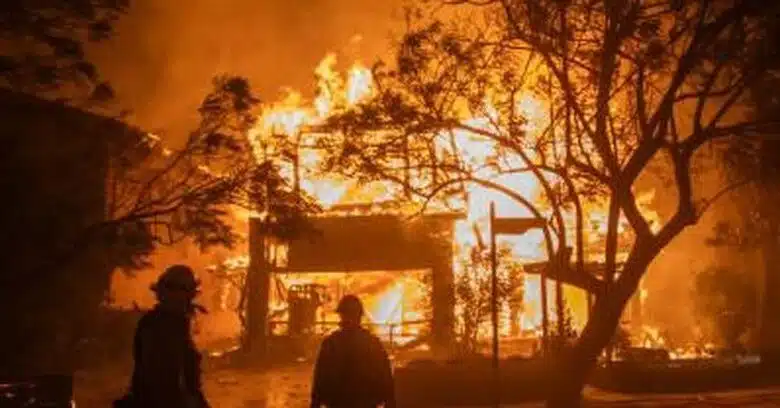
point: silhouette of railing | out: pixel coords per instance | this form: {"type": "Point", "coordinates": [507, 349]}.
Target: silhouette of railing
{"type": "Point", "coordinates": [392, 335]}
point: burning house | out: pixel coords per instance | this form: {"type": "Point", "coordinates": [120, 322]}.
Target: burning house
{"type": "Point", "coordinates": [406, 270]}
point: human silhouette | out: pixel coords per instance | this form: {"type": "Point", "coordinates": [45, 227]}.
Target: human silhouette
{"type": "Point", "coordinates": [352, 369]}
{"type": "Point", "coordinates": [167, 364]}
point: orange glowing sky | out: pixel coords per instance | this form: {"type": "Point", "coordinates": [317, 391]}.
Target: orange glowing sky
{"type": "Point", "coordinates": [166, 52]}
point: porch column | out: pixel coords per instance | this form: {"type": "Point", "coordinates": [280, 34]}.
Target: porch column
{"type": "Point", "coordinates": [443, 295]}
{"type": "Point", "coordinates": [257, 292]}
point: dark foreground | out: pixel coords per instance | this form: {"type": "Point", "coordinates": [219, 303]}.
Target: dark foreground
{"type": "Point", "coordinates": [289, 387]}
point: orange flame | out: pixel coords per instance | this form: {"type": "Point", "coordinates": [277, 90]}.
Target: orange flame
{"type": "Point", "coordinates": [293, 115]}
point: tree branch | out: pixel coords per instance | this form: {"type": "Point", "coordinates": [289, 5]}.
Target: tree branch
{"type": "Point", "coordinates": [706, 204]}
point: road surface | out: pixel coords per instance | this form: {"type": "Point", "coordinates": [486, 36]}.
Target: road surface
{"type": "Point", "coordinates": [289, 388]}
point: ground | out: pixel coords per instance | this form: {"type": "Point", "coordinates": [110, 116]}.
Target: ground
{"type": "Point", "coordinates": [289, 387]}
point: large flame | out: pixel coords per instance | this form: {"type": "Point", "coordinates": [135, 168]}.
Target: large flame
{"type": "Point", "coordinates": [293, 115]}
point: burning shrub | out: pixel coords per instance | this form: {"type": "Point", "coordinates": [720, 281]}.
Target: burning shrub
{"type": "Point", "coordinates": [726, 301]}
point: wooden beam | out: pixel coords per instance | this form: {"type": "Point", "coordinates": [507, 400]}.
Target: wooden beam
{"type": "Point", "coordinates": [515, 226]}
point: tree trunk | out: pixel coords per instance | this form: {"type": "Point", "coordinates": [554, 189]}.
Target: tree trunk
{"type": "Point", "coordinates": [574, 366]}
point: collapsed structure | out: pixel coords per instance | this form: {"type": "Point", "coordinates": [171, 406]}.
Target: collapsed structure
{"type": "Point", "coordinates": [292, 289]}
{"type": "Point", "coordinates": [354, 244]}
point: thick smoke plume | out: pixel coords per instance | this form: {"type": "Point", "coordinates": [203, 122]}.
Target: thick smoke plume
{"type": "Point", "coordinates": [166, 52]}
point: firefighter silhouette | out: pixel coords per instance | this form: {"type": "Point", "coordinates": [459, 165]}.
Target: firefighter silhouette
{"type": "Point", "coordinates": [166, 373]}
{"type": "Point", "coordinates": [352, 368]}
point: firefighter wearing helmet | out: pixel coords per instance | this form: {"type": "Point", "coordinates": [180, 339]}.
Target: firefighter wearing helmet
{"type": "Point", "coordinates": [352, 368]}
{"type": "Point", "coordinates": [166, 373]}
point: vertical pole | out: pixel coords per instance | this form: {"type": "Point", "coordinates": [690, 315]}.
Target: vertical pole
{"type": "Point", "coordinates": [562, 262]}
{"type": "Point", "coordinates": [494, 304]}
{"type": "Point", "coordinates": [559, 305]}
{"type": "Point", "coordinates": [545, 311]}
{"type": "Point", "coordinates": [443, 295]}
{"type": "Point", "coordinates": [257, 287]}
{"type": "Point", "coordinates": [545, 314]}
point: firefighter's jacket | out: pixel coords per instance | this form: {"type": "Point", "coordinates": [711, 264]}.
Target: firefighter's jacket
{"type": "Point", "coordinates": [167, 364]}
{"type": "Point", "coordinates": [352, 371]}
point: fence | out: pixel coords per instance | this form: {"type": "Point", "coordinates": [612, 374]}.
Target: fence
{"type": "Point", "coordinates": [393, 335]}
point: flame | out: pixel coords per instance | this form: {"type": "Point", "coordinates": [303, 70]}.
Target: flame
{"type": "Point", "coordinates": [389, 311]}
{"type": "Point", "coordinates": [328, 80]}
{"type": "Point", "coordinates": [392, 305]}
{"type": "Point", "coordinates": [292, 116]}
{"type": "Point", "coordinates": [359, 85]}
{"type": "Point", "coordinates": [651, 337]}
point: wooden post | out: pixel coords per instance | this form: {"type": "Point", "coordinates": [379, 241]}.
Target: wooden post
{"type": "Point", "coordinates": [494, 305]}
{"type": "Point", "coordinates": [443, 290]}
{"type": "Point", "coordinates": [562, 261]}
{"type": "Point", "coordinates": [258, 284]}
{"type": "Point", "coordinates": [545, 313]}
{"type": "Point", "coordinates": [559, 302]}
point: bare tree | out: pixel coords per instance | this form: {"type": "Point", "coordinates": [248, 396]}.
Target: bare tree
{"type": "Point", "coordinates": [160, 196]}
{"type": "Point", "coordinates": [186, 193]}
{"type": "Point", "coordinates": [630, 86]}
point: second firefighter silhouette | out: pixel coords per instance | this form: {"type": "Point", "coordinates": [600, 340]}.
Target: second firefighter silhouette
{"type": "Point", "coordinates": [352, 369]}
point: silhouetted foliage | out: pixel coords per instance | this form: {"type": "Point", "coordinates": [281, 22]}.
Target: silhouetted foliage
{"type": "Point", "coordinates": [161, 196]}
{"type": "Point", "coordinates": [727, 299]}
{"type": "Point", "coordinates": [752, 166]}
{"type": "Point", "coordinates": [42, 45]}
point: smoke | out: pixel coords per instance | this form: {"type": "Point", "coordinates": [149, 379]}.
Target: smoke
{"type": "Point", "coordinates": [165, 54]}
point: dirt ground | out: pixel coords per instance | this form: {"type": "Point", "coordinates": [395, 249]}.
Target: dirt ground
{"type": "Point", "coordinates": [289, 387]}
